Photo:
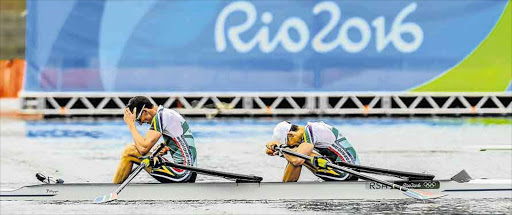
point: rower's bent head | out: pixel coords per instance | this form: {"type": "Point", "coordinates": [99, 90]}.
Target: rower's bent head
{"type": "Point", "coordinates": [143, 104]}
{"type": "Point", "coordinates": [287, 133]}
{"type": "Point", "coordinates": [281, 132]}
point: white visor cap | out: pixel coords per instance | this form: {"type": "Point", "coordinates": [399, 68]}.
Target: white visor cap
{"type": "Point", "coordinates": [281, 132]}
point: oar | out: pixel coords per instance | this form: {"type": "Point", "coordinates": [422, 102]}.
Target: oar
{"type": "Point", "coordinates": [407, 191]}
{"type": "Point", "coordinates": [113, 196]}
{"type": "Point", "coordinates": [227, 175]}
{"type": "Point", "coordinates": [389, 172]}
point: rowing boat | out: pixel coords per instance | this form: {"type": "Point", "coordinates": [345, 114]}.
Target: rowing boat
{"type": "Point", "coordinates": [476, 188]}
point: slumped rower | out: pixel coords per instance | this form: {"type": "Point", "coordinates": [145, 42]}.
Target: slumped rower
{"type": "Point", "coordinates": [177, 136]}
{"type": "Point", "coordinates": [319, 140]}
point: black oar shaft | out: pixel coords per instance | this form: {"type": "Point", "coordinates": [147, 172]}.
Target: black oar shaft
{"type": "Point", "coordinates": [138, 169]}
{"type": "Point", "coordinates": [228, 175]}
{"type": "Point", "coordinates": [347, 170]}
{"type": "Point", "coordinates": [130, 177]}
{"type": "Point", "coordinates": [397, 173]}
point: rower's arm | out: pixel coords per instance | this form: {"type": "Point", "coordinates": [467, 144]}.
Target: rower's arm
{"type": "Point", "coordinates": [304, 148]}
{"type": "Point", "coordinates": [144, 144]}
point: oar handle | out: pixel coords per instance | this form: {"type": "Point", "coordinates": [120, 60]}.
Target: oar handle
{"type": "Point", "coordinates": [279, 148]}
{"type": "Point", "coordinates": [347, 170]}
{"type": "Point", "coordinates": [155, 153]}
{"type": "Point", "coordinates": [381, 171]}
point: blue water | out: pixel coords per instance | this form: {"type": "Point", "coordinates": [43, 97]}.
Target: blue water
{"type": "Point", "coordinates": [96, 128]}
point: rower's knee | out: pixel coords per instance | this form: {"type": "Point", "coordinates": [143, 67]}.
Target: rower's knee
{"type": "Point", "coordinates": [130, 151]}
{"type": "Point", "coordinates": [291, 173]}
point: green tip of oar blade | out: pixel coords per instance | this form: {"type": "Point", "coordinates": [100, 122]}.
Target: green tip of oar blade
{"type": "Point", "coordinates": [417, 194]}
{"type": "Point", "coordinates": [105, 198]}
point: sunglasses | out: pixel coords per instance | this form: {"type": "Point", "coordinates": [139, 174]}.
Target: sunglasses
{"type": "Point", "coordinates": [140, 113]}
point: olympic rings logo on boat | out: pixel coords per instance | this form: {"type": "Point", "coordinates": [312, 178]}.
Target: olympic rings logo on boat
{"type": "Point", "coordinates": [429, 184]}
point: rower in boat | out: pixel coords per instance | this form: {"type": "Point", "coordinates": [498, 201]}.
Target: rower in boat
{"type": "Point", "coordinates": [319, 140]}
{"type": "Point", "coordinates": [176, 134]}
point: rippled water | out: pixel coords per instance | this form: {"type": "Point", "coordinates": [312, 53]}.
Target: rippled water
{"type": "Point", "coordinates": [88, 150]}
{"type": "Point", "coordinates": [451, 206]}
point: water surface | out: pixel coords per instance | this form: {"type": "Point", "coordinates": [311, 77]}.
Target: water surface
{"type": "Point", "coordinates": [88, 150]}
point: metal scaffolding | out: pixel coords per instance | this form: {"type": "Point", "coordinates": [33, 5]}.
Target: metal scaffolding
{"type": "Point", "coordinates": [274, 103]}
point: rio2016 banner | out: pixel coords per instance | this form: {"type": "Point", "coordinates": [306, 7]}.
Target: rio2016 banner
{"type": "Point", "coordinates": [173, 46]}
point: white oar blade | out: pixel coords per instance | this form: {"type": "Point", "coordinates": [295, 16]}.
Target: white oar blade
{"type": "Point", "coordinates": [417, 194]}
{"type": "Point", "coordinates": [105, 198]}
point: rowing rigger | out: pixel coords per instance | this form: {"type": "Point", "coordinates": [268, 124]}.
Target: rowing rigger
{"type": "Point", "coordinates": [457, 187]}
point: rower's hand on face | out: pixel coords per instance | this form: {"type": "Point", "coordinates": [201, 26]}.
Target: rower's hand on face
{"type": "Point", "coordinates": [129, 117]}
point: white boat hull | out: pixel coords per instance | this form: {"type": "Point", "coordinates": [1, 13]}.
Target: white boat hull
{"type": "Point", "coordinates": [481, 188]}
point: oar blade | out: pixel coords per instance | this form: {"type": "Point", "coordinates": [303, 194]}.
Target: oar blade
{"type": "Point", "coordinates": [417, 194]}
{"type": "Point", "coordinates": [105, 198]}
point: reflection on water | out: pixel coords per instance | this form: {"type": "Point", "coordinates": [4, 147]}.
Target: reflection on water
{"type": "Point", "coordinates": [439, 206]}
{"type": "Point", "coordinates": [407, 206]}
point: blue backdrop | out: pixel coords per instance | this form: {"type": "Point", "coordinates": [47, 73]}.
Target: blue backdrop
{"type": "Point", "coordinates": [164, 46]}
